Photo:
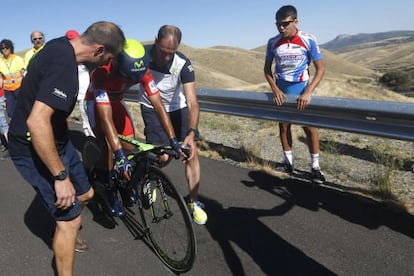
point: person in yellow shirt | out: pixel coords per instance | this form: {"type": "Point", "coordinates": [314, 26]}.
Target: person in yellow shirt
{"type": "Point", "coordinates": [38, 40]}
{"type": "Point", "coordinates": [12, 71]}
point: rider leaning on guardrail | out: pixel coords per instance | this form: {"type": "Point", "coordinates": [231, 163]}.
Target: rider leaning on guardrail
{"type": "Point", "coordinates": [292, 50]}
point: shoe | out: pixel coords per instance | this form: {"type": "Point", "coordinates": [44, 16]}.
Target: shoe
{"type": "Point", "coordinates": [115, 207]}
{"type": "Point", "coordinates": [317, 176]}
{"type": "Point", "coordinates": [2, 148]}
{"type": "Point", "coordinates": [288, 168]}
{"type": "Point", "coordinates": [81, 245]}
{"type": "Point", "coordinates": [128, 197]}
{"type": "Point", "coordinates": [197, 212]}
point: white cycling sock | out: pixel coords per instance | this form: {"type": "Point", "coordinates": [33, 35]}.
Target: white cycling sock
{"type": "Point", "coordinates": [315, 160]}
{"type": "Point", "coordinates": [288, 157]}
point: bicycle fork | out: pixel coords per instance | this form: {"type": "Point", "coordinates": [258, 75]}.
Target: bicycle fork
{"type": "Point", "coordinates": [150, 193]}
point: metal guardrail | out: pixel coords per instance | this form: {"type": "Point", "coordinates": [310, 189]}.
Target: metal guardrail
{"type": "Point", "coordinates": [379, 118]}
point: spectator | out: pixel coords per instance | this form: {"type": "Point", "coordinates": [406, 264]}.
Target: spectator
{"type": "Point", "coordinates": [84, 80]}
{"type": "Point", "coordinates": [12, 72]}
{"type": "Point", "coordinates": [4, 126]}
{"type": "Point", "coordinates": [109, 116]}
{"type": "Point", "coordinates": [39, 144]}
{"type": "Point", "coordinates": [175, 78]}
{"type": "Point", "coordinates": [292, 50]}
{"type": "Point", "coordinates": [38, 40]}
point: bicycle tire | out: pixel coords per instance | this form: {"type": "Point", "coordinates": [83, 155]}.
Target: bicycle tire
{"type": "Point", "coordinates": [171, 233]}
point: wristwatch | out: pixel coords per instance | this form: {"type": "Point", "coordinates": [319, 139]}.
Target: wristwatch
{"type": "Point", "coordinates": [61, 175]}
{"type": "Point", "coordinates": [196, 133]}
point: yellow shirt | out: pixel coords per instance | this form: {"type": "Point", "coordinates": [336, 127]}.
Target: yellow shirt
{"type": "Point", "coordinates": [11, 72]}
{"type": "Point", "coordinates": [29, 54]}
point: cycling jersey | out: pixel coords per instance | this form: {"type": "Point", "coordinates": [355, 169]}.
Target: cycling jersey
{"type": "Point", "coordinates": [293, 56]}
{"type": "Point", "coordinates": [169, 80]}
{"type": "Point", "coordinates": [107, 87]}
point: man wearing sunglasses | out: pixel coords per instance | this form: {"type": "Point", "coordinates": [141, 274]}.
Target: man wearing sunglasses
{"type": "Point", "coordinates": [38, 40]}
{"type": "Point", "coordinates": [292, 51]}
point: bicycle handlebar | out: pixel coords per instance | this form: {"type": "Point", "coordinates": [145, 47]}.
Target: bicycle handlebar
{"type": "Point", "coordinates": [158, 149]}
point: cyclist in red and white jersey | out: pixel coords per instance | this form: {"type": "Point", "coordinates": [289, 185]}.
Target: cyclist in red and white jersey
{"type": "Point", "coordinates": [292, 51]}
{"type": "Point", "coordinates": [109, 116]}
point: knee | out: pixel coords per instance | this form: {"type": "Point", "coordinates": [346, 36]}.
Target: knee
{"type": "Point", "coordinates": [69, 225]}
{"type": "Point", "coordinates": [86, 197]}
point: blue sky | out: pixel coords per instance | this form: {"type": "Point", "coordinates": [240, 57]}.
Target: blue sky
{"type": "Point", "coordinates": [206, 23]}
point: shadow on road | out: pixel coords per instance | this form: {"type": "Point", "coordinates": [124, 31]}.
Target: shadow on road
{"type": "Point", "coordinates": [39, 222]}
{"type": "Point", "coordinates": [353, 208]}
{"type": "Point", "coordinates": [270, 252]}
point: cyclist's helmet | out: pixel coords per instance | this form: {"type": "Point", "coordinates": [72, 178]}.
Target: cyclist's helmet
{"type": "Point", "coordinates": [133, 61]}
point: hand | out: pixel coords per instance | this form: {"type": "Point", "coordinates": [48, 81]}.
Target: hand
{"type": "Point", "coordinates": [65, 194]}
{"type": "Point", "coordinates": [187, 151]}
{"type": "Point", "coordinates": [122, 165]}
{"type": "Point", "coordinates": [279, 98]}
{"type": "Point", "coordinates": [175, 145]}
{"type": "Point", "coordinates": [303, 101]}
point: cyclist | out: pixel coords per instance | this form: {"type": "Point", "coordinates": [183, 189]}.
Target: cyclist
{"type": "Point", "coordinates": [109, 116]}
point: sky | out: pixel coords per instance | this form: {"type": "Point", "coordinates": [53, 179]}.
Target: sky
{"type": "Point", "coordinates": [206, 23]}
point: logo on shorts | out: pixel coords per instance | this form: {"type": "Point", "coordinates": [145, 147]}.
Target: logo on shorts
{"type": "Point", "coordinates": [59, 93]}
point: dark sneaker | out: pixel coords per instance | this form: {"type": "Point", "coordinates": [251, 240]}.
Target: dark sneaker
{"type": "Point", "coordinates": [317, 176]}
{"type": "Point", "coordinates": [81, 245]}
{"type": "Point", "coordinates": [288, 168]}
{"type": "Point", "coordinates": [128, 197]}
{"type": "Point", "coordinates": [115, 207]}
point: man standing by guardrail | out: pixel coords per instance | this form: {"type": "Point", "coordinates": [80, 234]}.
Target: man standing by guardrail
{"type": "Point", "coordinates": [293, 50]}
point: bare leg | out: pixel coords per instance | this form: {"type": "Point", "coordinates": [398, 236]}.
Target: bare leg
{"type": "Point", "coordinates": [85, 198]}
{"type": "Point", "coordinates": [192, 173]}
{"type": "Point", "coordinates": [64, 245]}
{"type": "Point", "coordinates": [285, 136]}
{"type": "Point", "coordinates": [312, 138]}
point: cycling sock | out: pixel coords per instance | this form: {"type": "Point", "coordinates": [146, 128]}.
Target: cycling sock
{"type": "Point", "coordinates": [315, 160]}
{"type": "Point", "coordinates": [288, 157]}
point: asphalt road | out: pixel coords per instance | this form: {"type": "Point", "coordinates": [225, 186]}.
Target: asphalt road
{"type": "Point", "coordinates": [258, 225]}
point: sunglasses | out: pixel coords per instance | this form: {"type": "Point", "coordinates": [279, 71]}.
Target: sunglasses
{"type": "Point", "coordinates": [37, 38]}
{"type": "Point", "coordinates": [284, 24]}
{"type": "Point", "coordinates": [5, 47]}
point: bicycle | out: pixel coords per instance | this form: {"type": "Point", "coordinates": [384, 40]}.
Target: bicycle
{"type": "Point", "coordinates": [166, 221]}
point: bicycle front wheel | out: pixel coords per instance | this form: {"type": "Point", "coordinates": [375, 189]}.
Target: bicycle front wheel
{"type": "Point", "coordinates": [168, 222]}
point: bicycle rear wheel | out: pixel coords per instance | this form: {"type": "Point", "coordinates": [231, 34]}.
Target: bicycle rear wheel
{"type": "Point", "coordinates": [169, 224]}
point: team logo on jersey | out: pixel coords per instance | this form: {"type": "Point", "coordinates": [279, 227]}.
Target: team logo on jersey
{"type": "Point", "coordinates": [153, 86]}
{"type": "Point", "coordinates": [59, 93]}
{"type": "Point", "coordinates": [190, 68]}
{"type": "Point", "coordinates": [175, 70]}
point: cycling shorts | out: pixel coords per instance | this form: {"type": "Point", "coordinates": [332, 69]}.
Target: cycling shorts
{"type": "Point", "coordinates": [155, 133]}
{"type": "Point", "coordinates": [291, 88]}
{"type": "Point", "coordinates": [120, 116]}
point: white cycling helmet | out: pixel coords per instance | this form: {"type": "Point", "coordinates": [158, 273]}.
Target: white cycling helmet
{"type": "Point", "coordinates": [133, 61]}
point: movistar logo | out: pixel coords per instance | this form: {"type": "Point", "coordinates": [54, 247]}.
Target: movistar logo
{"type": "Point", "coordinates": [138, 64]}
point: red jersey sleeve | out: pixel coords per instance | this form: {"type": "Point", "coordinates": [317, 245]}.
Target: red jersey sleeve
{"type": "Point", "coordinates": [149, 84]}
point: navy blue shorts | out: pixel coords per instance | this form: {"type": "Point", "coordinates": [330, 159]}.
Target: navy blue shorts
{"type": "Point", "coordinates": [155, 133]}
{"type": "Point", "coordinates": [35, 172]}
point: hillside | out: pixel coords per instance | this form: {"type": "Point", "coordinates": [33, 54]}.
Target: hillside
{"type": "Point", "coordinates": [347, 43]}
{"type": "Point", "coordinates": [354, 64]}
